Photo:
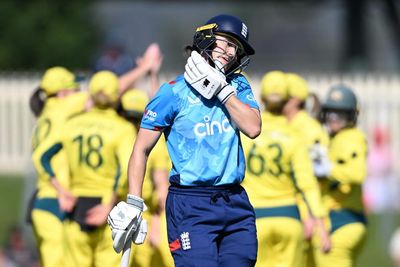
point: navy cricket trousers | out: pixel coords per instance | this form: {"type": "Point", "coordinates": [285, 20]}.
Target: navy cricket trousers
{"type": "Point", "coordinates": [211, 226]}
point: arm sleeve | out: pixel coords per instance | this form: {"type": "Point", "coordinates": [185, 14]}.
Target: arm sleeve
{"type": "Point", "coordinates": [305, 181]}
{"type": "Point", "coordinates": [45, 160]}
{"type": "Point", "coordinates": [160, 111]}
{"type": "Point", "coordinates": [316, 134]}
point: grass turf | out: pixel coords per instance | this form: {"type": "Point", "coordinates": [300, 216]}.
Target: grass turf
{"type": "Point", "coordinates": [11, 192]}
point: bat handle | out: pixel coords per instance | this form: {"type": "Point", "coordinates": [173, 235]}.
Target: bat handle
{"type": "Point", "coordinates": [126, 254]}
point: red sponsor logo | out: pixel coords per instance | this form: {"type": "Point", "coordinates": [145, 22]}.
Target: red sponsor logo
{"type": "Point", "coordinates": [174, 245]}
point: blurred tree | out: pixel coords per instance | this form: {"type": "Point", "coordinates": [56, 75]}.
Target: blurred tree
{"type": "Point", "coordinates": [356, 53]}
{"type": "Point", "coordinates": [37, 34]}
{"type": "Point", "coordinates": [393, 18]}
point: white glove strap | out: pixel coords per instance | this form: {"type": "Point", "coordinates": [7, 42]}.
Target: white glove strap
{"type": "Point", "coordinates": [140, 234]}
{"type": "Point", "coordinates": [135, 201]}
{"type": "Point", "coordinates": [225, 93]}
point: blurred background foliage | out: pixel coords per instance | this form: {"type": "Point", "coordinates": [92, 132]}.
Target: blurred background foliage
{"type": "Point", "coordinates": [37, 34]}
{"type": "Point", "coordinates": [295, 35]}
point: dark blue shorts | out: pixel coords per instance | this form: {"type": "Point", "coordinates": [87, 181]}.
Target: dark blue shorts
{"type": "Point", "coordinates": [211, 226]}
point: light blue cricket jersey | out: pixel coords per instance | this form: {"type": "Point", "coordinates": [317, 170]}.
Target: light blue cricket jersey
{"type": "Point", "coordinates": [203, 144]}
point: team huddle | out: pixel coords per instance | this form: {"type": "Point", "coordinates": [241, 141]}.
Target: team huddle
{"type": "Point", "coordinates": [230, 183]}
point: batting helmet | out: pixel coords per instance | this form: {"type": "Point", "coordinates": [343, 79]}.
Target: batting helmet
{"type": "Point", "coordinates": [341, 98]}
{"type": "Point", "coordinates": [228, 25]}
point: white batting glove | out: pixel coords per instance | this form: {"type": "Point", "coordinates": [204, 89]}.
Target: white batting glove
{"type": "Point", "coordinates": [140, 234]}
{"type": "Point", "coordinates": [205, 79]}
{"type": "Point", "coordinates": [322, 169]}
{"type": "Point", "coordinates": [226, 91]}
{"type": "Point", "coordinates": [317, 152]}
{"type": "Point", "coordinates": [321, 163]}
{"type": "Point", "coordinates": [125, 219]}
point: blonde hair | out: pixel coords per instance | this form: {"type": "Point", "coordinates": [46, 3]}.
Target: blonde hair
{"type": "Point", "coordinates": [103, 101]}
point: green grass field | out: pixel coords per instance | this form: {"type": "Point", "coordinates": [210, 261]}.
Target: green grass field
{"type": "Point", "coordinates": [375, 252]}
{"type": "Point", "coordinates": [11, 192]}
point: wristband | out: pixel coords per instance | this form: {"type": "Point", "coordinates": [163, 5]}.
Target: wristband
{"type": "Point", "coordinates": [225, 93]}
{"type": "Point", "coordinates": [135, 201]}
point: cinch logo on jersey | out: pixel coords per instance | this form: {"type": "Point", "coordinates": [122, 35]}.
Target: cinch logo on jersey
{"type": "Point", "coordinates": [150, 115]}
{"type": "Point", "coordinates": [250, 97]}
{"type": "Point", "coordinates": [212, 127]}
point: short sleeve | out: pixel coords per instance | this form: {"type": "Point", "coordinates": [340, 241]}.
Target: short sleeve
{"type": "Point", "coordinates": [160, 111]}
{"type": "Point", "coordinates": [244, 92]}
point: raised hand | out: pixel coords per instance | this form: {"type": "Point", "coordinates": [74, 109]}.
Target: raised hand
{"type": "Point", "coordinates": [205, 79]}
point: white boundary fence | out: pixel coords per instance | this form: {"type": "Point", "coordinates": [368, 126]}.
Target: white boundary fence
{"type": "Point", "coordinates": [379, 96]}
{"type": "Point", "coordinates": [16, 121]}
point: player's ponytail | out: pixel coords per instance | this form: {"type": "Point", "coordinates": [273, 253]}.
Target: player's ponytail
{"type": "Point", "coordinates": [37, 101]}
